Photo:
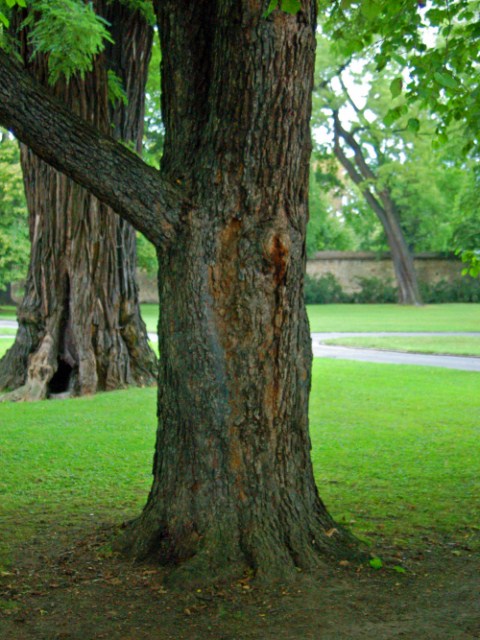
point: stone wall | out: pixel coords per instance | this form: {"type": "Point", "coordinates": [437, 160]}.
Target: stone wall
{"type": "Point", "coordinates": [349, 266]}
{"type": "Point", "coordinates": [346, 266]}
{"type": "Point", "coordinates": [148, 287]}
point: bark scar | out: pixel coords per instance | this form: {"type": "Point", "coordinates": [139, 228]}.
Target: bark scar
{"type": "Point", "coordinates": [277, 252]}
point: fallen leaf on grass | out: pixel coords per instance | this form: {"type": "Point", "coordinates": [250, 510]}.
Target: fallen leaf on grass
{"type": "Point", "coordinates": [376, 563]}
{"type": "Point", "coordinates": [399, 569]}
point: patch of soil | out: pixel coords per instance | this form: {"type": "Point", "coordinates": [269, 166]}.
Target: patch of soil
{"type": "Point", "coordinates": [59, 590]}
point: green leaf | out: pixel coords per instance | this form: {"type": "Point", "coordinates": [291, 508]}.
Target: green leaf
{"type": "Point", "coordinates": [291, 6]}
{"type": "Point", "coordinates": [370, 9]}
{"type": "Point", "coordinates": [413, 125]}
{"type": "Point", "coordinates": [396, 86]}
{"type": "Point", "coordinates": [116, 92]}
{"type": "Point", "coordinates": [390, 117]}
{"type": "Point", "coordinates": [446, 80]}
{"type": "Point", "coordinates": [4, 20]}
{"type": "Point", "coordinates": [271, 7]}
{"type": "Point", "coordinates": [11, 3]}
{"type": "Point", "coordinates": [399, 59]}
{"type": "Point", "coordinates": [376, 563]}
{"type": "Point", "coordinates": [22, 3]}
{"type": "Point", "coordinates": [399, 569]}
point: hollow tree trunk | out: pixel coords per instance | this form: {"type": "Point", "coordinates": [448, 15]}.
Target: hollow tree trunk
{"type": "Point", "coordinates": [233, 483]}
{"type": "Point", "coordinates": [80, 328]}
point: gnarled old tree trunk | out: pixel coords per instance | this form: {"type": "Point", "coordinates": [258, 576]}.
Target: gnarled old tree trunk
{"type": "Point", "coordinates": [80, 328]}
{"type": "Point", "coordinates": [233, 481]}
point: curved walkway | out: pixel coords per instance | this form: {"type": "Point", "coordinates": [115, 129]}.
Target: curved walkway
{"type": "Point", "coordinates": [464, 363]}
{"type": "Point", "coordinates": [321, 350]}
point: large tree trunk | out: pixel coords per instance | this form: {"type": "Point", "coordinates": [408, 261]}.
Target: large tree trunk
{"type": "Point", "coordinates": [382, 204]}
{"type": "Point", "coordinates": [233, 483]}
{"type": "Point", "coordinates": [80, 328]}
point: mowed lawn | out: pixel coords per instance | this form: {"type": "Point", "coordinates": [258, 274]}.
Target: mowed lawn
{"type": "Point", "coordinates": [5, 344]}
{"type": "Point", "coordinates": [361, 317]}
{"type": "Point", "coordinates": [395, 453]}
{"type": "Point", "coordinates": [394, 317]}
{"type": "Point", "coordinates": [376, 317]}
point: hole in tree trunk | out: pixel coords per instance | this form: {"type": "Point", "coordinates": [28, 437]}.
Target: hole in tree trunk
{"type": "Point", "coordinates": [60, 382]}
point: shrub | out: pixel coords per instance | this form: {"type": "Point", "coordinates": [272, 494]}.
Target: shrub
{"type": "Point", "coordinates": [326, 290]}
{"type": "Point", "coordinates": [323, 290]}
{"type": "Point", "coordinates": [375, 290]}
{"type": "Point", "coordinates": [465, 289]}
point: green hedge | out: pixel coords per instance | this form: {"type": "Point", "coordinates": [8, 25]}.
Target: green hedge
{"type": "Point", "coordinates": [326, 290]}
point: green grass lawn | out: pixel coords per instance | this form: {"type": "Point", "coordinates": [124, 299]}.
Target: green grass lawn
{"type": "Point", "coordinates": [395, 448]}
{"type": "Point", "coordinates": [451, 345]}
{"type": "Point", "coordinates": [5, 343]}
{"type": "Point", "coordinates": [376, 317]}
{"type": "Point", "coordinates": [393, 317]}
{"type": "Point", "coordinates": [362, 317]}
{"type": "Point", "coordinates": [150, 316]}
{"type": "Point", "coordinates": [8, 313]}
{"type": "Point", "coordinates": [394, 451]}
{"type": "Point", "coordinates": [7, 331]}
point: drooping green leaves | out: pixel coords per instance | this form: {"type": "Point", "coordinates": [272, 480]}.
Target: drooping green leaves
{"type": "Point", "coordinates": [69, 32]}
{"type": "Point", "coordinates": [116, 91]}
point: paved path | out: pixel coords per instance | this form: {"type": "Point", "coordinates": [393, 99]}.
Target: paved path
{"type": "Point", "coordinates": [465, 363]}
{"type": "Point", "coordinates": [320, 350]}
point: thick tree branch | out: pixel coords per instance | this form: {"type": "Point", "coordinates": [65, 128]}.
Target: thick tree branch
{"type": "Point", "coordinates": [136, 191]}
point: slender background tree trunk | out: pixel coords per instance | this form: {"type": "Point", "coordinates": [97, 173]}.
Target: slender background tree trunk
{"type": "Point", "coordinates": [80, 328]}
{"type": "Point", "coordinates": [382, 204]}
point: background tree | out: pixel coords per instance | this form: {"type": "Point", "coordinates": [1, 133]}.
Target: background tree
{"type": "Point", "coordinates": [80, 328]}
{"type": "Point", "coordinates": [361, 148]}
{"type": "Point", "coordinates": [14, 243]}
{"type": "Point", "coordinates": [233, 483]}
{"type": "Point", "coordinates": [436, 43]}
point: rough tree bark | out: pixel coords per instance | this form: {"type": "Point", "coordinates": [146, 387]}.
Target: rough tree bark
{"type": "Point", "coordinates": [80, 328]}
{"type": "Point", "coordinates": [233, 481]}
{"type": "Point", "coordinates": [384, 207]}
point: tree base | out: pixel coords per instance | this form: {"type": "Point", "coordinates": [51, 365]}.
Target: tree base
{"type": "Point", "coordinates": [220, 557]}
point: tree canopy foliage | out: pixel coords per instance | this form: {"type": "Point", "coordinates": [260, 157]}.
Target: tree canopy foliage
{"type": "Point", "coordinates": [435, 43]}
{"type": "Point", "coordinates": [14, 241]}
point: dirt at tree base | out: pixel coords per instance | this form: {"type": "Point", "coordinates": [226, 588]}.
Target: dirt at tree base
{"type": "Point", "coordinates": [67, 585]}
